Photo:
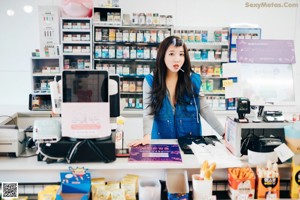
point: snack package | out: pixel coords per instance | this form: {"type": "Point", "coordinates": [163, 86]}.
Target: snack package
{"type": "Point", "coordinates": [241, 181]}
{"type": "Point", "coordinates": [268, 181]}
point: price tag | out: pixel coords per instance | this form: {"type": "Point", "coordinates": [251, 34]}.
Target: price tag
{"type": "Point", "coordinates": [227, 83]}
{"type": "Point", "coordinates": [271, 197]}
{"type": "Point", "coordinates": [212, 198]}
{"type": "Point", "coordinates": [242, 197]}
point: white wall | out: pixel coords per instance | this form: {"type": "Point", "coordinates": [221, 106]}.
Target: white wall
{"type": "Point", "coordinates": [20, 34]}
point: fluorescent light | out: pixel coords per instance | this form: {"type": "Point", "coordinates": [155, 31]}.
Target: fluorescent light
{"type": "Point", "coordinates": [10, 12]}
{"type": "Point", "coordinates": [28, 8]}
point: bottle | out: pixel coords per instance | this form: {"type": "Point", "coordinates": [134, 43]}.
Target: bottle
{"type": "Point", "coordinates": [120, 133]}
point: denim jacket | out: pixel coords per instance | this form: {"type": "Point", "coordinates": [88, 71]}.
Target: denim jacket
{"type": "Point", "coordinates": [186, 118]}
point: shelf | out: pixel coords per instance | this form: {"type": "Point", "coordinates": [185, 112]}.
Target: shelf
{"type": "Point", "coordinates": [41, 92]}
{"type": "Point", "coordinates": [132, 76]}
{"type": "Point", "coordinates": [77, 42]}
{"type": "Point", "coordinates": [137, 27]}
{"type": "Point", "coordinates": [43, 75]}
{"type": "Point", "coordinates": [123, 60]}
{"type": "Point", "coordinates": [76, 54]}
{"type": "Point", "coordinates": [45, 58]}
{"type": "Point", "coordinates": [212, 77]}
{"type": "Point", "coordinates": [214, 93]}
{"type": "Point", "coordinates": [201, 44]}
{"type": "Point", "coordinates": [127, 43]}
{"type": "Point", "coordinates": [72, 49]}
{"type": "Point", "coordinates": [208, 61]}
{"type": "Point", "coordinates": [76, 30]}
{"type": "Point", "coordinates": [131, 93]}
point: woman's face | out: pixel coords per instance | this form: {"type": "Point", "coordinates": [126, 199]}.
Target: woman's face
{"type": "Point", "coordinates": [174, 58]}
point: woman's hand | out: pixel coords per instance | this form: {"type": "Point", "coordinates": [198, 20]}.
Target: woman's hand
{"type": "Point", "coordinates": [146, 140]}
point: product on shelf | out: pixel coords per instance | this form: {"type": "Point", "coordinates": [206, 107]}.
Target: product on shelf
{"type": "Point", "coordinates": [241, 183]}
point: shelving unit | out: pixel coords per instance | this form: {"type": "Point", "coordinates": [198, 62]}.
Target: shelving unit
{"type": "Point", "coordinates": [44, 70]}
{"type": "Point", "coordinates": [208, 50]}
{"type": "Point", "coordinates": [107, 16]}
{"type": "Point", "coordinates": [129, 51]}
{"type": "Point", "coordinates": [76, 40]}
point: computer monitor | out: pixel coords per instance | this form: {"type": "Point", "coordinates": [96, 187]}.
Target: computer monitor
{"type": "Point", "coordinates": [85, 104]}
{"type": "Point", "coordinates": [85, 86]}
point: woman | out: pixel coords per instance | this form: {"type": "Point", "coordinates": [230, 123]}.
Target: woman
{"type": "Point", "coordinates": [172, 98]}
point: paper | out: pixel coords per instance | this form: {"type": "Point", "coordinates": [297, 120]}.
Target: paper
{"type": "Point", "coordinates": [218, 154]}
{"type": "Point", "coordinates": [284, 152]}
{"type": "Point", "coordinates": [235, 90]}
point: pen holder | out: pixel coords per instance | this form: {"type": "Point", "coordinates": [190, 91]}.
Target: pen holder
{"type": "Point", "coordinates": [149, 189]}
{"type": "Point", "coordinates": [202, 189]}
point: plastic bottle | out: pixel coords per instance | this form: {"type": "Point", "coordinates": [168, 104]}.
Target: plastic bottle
{"type": "Point", "coordinates": [120, 133]}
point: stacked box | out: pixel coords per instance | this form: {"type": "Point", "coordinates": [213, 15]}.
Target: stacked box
{"type": "Point", "coordinates": [241, 181]}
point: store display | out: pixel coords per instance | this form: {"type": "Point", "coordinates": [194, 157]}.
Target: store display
{"type": "Point", "coordinates": [77, 43]}
{"type": "Point", "coordinates": [44, 71]}
{"type": "Point", "coordinates": [131, 51]}
{"type": "Point", "coordinates": [208, 50]}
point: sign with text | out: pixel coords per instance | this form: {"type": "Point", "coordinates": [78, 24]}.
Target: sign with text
{"type": "Point", "coordinates": [266, 51]}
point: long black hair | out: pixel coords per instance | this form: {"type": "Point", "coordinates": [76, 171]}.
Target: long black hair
{"type": "Point", "coordinates": [159, 87]}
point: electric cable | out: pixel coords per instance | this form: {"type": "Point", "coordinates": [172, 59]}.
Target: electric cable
{"type": "Point", "coordinates": [39, 151]}
{"type": "Point", "coordinates": [98, 151]}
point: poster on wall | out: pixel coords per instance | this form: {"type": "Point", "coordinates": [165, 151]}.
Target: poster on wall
{"type": "Point", "coordinates": [49, 30]}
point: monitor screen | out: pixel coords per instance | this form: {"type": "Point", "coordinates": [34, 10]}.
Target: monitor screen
{"type": "Point", "coordinates": [85, 86]}
{"type": "Point", "coordinates": [268, 84]}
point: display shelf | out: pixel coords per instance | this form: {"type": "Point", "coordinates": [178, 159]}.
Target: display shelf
{"type": "Point", "coordinates": [129, 51]}
{"type": "Point", "coordinates": [44, 70]}
{"type": "Point", "coordinates": [107, 16]}
{"type": "Point", "coordinates": [76, 40]}
{"type": "Point", "coordinates": [208, 50]}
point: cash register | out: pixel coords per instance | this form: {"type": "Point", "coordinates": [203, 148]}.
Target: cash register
{"type": "Point", "coordinates": [85, 119]}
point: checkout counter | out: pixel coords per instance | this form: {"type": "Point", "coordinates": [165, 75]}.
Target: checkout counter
{"type": "Point", "coordinates": [26, 169]}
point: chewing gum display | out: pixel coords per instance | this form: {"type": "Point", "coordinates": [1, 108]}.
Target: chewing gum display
{"type": "Point", "coordinates": [241, 182]}
{"type": "Point", "coordinates": [268, 181]}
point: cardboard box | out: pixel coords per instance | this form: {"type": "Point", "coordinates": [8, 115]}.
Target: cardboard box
{"type": "Point", "coordinates": [295, 179]}
{"type": "Point", "coordinates": [75, 184]}
{"type": "Point", "coordinates": [241, 186]}
{"type": "Point", "coordinates": [202, 189]}
{"type": "Point", "coordinates": [71, 196]}
{"type": "Point", "coordinates": [177, 185]}
{"type": "Point", "coordinates": [268, 186]}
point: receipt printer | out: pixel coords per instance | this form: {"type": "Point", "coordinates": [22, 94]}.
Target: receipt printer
{"type": "Point", "coordinates": [266, 144]}
{"type": "Point", "coordinates": [273, 116]}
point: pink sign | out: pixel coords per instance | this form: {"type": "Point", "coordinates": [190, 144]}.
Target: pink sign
{"type": "Point", "coordinates": [266, 51]}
